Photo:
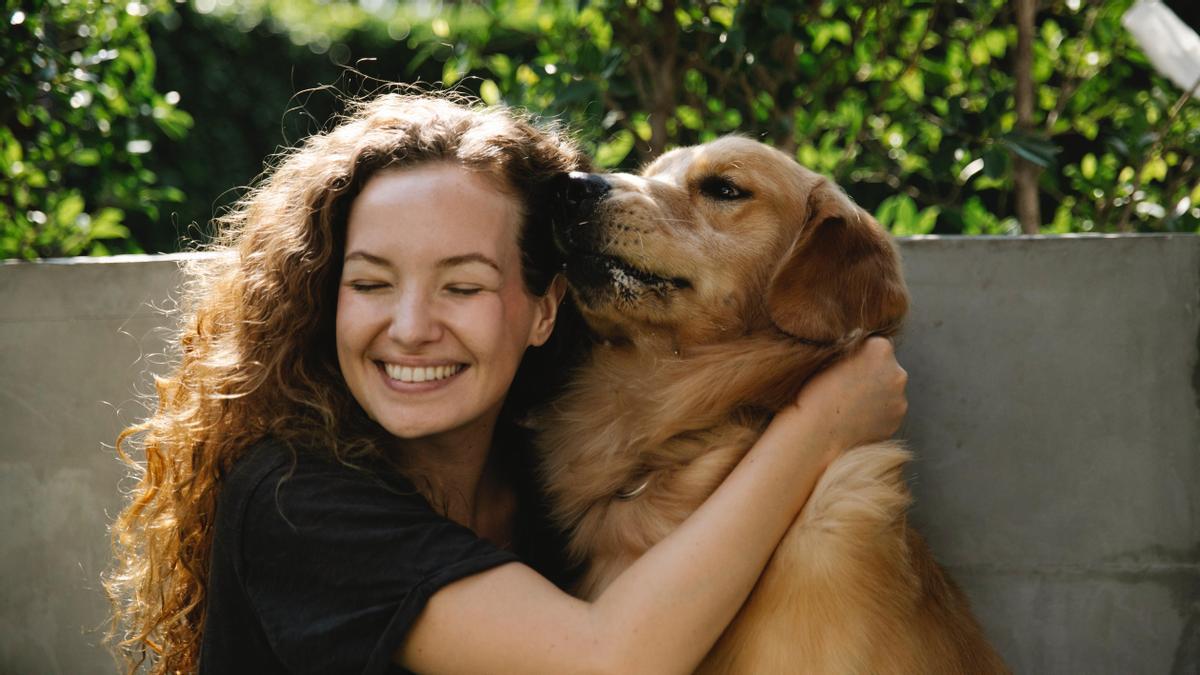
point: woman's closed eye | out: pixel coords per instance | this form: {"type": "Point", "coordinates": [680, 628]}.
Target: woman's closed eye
{"type": "Point", "coordinates": [464, 289]}
{"type": "Point", "coordinates": [365, 286]}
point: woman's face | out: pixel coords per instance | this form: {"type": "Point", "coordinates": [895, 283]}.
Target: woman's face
{"type": "Point", "coordinates": [432, 312]}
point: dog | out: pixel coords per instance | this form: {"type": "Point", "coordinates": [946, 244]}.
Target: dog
{"type": "Point", "coordinates": [717, 282]}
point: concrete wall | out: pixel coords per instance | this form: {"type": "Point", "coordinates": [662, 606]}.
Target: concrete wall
{"type": "Point", "coordinates": [1055, 411]}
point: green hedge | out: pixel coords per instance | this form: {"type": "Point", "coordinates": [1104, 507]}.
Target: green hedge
{"type": "Point", "coordinates": [906, 103]}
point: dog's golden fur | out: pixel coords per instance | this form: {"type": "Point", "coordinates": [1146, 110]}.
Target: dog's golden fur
{"type": "Point", "coordinates": [720, 280]}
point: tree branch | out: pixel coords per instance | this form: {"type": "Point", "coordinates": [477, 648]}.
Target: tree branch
{"type": "Point", "coordinates": [1025, 173]}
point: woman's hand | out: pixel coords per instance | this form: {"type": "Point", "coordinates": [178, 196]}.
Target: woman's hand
{"type": "Point", "coordinates": [857, 400]}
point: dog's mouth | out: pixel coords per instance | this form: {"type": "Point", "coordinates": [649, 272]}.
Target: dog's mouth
{"type": "Point", "coordinates": [581, 237]}
{"type": "Point", "coordinates": [592, 270]}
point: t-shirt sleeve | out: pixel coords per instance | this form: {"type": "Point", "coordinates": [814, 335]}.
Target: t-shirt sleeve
{"type": "Point", "coordinates": [338, 564]}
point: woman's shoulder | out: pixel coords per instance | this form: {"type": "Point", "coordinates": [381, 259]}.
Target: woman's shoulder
{"type": "Point", "coordinates": [262, 459]}
{"type": "Point", "coordinates": [308, 478]}
{"type": "Point", "coordinates": [282, 505]}
{"type": "Point", "coordinates": [283, 493]}
{"type": "Point", "coordinates": [335, 562]}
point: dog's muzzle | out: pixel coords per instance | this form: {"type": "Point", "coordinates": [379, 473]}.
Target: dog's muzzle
{"type": "Point", "coordinates": [578, 234]}
{"type": "Point", "coordinates": [576, 195]}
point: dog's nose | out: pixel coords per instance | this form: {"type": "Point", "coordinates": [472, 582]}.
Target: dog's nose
{"type": "Point", "coordinates": [575, 196]}
{"type": "Point", "coordinates": [579, 190]}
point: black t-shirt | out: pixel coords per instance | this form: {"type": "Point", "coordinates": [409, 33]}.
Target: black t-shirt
{"type": "Point", "coordinates": [320, 568]}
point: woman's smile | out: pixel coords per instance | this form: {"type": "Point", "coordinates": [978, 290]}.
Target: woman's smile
{"type": "Point", "coordinates": [419, 378]}
{"type": "Point", "coordinates": [421, 373]}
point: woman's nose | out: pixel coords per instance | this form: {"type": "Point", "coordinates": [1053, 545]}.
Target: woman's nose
{"type": "Point", "coordinates": [415, 320]}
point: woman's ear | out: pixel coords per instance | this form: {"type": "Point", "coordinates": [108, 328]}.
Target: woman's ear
{"type": "Point", "coordinates": [546, 311]}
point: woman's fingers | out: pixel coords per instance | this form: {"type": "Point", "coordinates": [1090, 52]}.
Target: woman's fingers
{"type": "Point", "coordinates": [860, 398]}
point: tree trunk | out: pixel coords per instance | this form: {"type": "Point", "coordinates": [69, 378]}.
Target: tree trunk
{"type": "Point", "coordinates": [1025, 173]}
{"type": "Point", "coordinates": [663, 78]}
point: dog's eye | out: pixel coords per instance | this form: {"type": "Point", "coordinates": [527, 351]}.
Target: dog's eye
{"type": "Point", "coordinates": [722, 189]}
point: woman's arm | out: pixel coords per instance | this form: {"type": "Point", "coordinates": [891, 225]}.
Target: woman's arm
{"type": "Point", "coordinates": [664, 613]}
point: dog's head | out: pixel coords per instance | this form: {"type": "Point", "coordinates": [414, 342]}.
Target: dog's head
{"type": "Point", "coordinates": [725, 239]}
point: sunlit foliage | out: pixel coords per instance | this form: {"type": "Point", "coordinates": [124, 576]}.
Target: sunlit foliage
{"type": "Point", "coordinates": [80, 113]}
{"type": "Point", "coordinates": [907, 103]}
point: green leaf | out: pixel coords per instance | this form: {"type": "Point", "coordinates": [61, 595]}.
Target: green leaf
{"type": "Point", "coordinates": [1037, 150]}
{"type": "Point", "coordinates": [841, 32]}
{"type": "Point", "coordinates": [1087, 166]}
{"type": "Point", "coordinates": [11, 148]}
{"type": "Point", "coordinates": [68, 209]}
{"type": "Point", "coordinates": [913, 84]}
{"type": "Point", "coordinates": [689, 117]}
{"type": "Point", "coordinates": [722, 15]}
{"type": "Point", "coordinates": [501, 65]}
{"type": "Point", "coordinates": [996, 43]}
{"type": "Point", "coordinates": [527, 76]}
{"type": "Point", "coordinates": [107, 225]}
{"type": "Point", "coordinates": [886, 212]}
{"type": "Point", "coordinates": [1155, 169]}
{"type": "Point", "coordinates": [612, 153]}
{"type": "Point", "coordinates": [979, 53]}
{"type": "Point", "coordinates": [86, 157]}
{"type": "Point", "coordinates": [821, 34]}
{"type": "Point", "coordinates": [489, 92]}
{"type": "Point", "coordinates": [898, 213]}
{"type": "Point", "coordinates": [641, 126]}
{"type": "Point", "coordinates": [927, 220]}
{"type": "Point", "coordinates": [451, 73]}
{"type": "Point", "coordinates": [978, 220]}
{"type": "Point", "coordinates": [906, 214]}
{"type": "Point", "coordinates": [1061, 224]}
{"type": "Point", "coordinates": [174, 123]}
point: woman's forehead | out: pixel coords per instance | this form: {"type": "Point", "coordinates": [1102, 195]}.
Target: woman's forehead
{"type": "Point", "coordinates": [439, 208]}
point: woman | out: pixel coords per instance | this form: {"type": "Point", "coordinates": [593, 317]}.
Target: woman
{"type": "Point", "coordinates": [333, 480]}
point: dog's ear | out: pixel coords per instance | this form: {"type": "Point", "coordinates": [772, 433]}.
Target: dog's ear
{"type": "Point", "coordinates": [840, 274]}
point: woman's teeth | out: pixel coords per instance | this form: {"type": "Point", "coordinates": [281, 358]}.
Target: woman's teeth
{"type": "Point", "coordinates": [428, 374]}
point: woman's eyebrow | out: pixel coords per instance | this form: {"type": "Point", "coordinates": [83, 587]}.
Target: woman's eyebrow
{"type": "Point", "coordinates": [454, 261]}
{"type": "Point", "coordinates": [363, 255]}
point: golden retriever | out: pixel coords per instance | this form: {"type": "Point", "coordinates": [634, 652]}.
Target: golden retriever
{"type": "Point", "coordinates": [719, 280]}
